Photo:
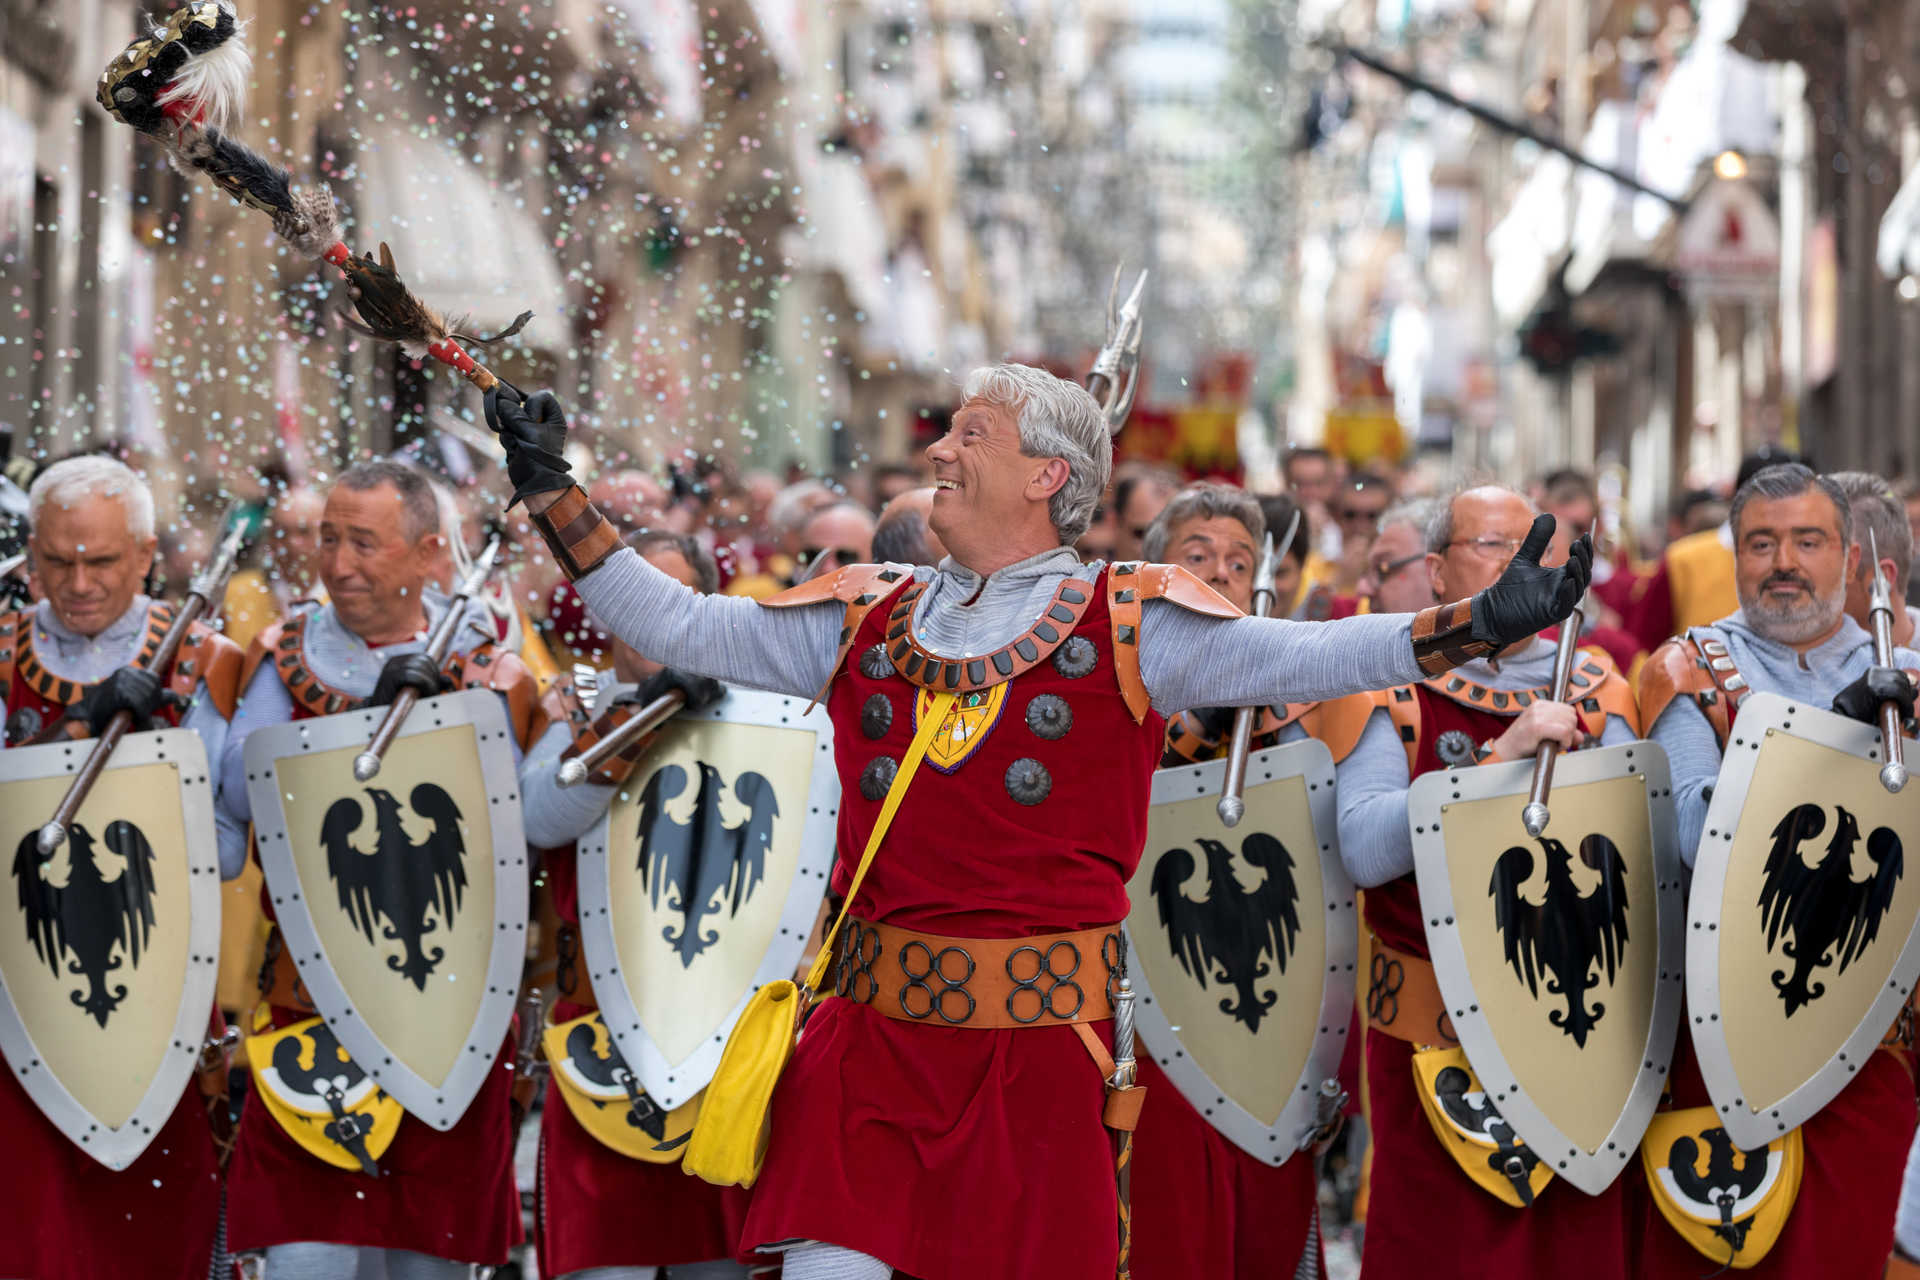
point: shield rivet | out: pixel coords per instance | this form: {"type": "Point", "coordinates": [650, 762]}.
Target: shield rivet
{"type": "Point", "coordinates": [874, 664]}
{"type": "Point", "coordinates": [1075, 658]}
{"type": "Point", "coordinates": [876, 716]}
{"type": "Point", "coordinates": [1049, 716]}
{"type": "Point", "coordinates": [877, 777]}
{"type": "Point", "coordinates": [1028, 781]}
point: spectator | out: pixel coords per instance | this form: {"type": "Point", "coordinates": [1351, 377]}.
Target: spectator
{"type": "Point", "coordinates": [1102, 537]}
{"type": "Point", "coordinates": [834, 537]}
{"type": "Point", "coordinates": [1290, 573]}
{"type": "Point", "coordinates": [889, 480]}
{"type": "Point", "coordinates": [903, 536]}
{"type": "Point", "coordinates": [1397, 578]}
{"type": "Point", "coordinates": [1138, 496]}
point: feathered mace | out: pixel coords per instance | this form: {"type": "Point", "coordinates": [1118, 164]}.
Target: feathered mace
{"type": "Point", "coordinates": [182, 85]}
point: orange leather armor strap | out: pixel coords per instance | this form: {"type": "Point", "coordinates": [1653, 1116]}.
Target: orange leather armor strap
{"type": "Point", "coordinates": [563, 705]}
{"type": "Point", "coordinates": [1130, 584]}
{"type": "Point", "coordinates": [1403, 997]}
{"type": "Point", "coordinates": [859, 587]}
{"type": "Point", "coordinates": [1679, 667]}
{"type": "Point", "coordinates": [1443, 637]}
{"type": "Point", "coordinates": [491, 667]}
{"type": "Point", "coordinates": [207, 655]}
{"type": "Point", "coordinates": [1337, 722]}
{"type": "Point", "coordinates": [579, 537]}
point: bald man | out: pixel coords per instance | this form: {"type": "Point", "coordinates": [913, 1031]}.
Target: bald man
{"type": "Point", "coordinates": [903, 535]}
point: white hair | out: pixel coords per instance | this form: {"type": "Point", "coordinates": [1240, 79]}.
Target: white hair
{"type": "Point", "coordinates": [1057, 419]}
{"type": "Point", "coordinates": [92, 476]}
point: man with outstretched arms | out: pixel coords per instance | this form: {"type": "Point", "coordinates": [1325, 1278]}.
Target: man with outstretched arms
{"type": "Point", "coordinates": [603, 1214]}
{"type": "Point", "coordinates": [432, 1202]}
{"type": "Point", "coordinates": [899, 1128]}
{"type": "Point", "coordinates": [1426, 1215]}
{"type": "Point", "coordinates": [1795, 550]}
{"type": "Point", "coordinates": [67, 665]}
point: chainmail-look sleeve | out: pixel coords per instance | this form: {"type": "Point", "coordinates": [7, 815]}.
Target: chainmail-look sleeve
{"type": "Point", "coordinates": [1192, 660]}
{"type": "Point", "coordinates": [554, 815]}
{"type": "Point", "coordinates": [1376, 842]}
{"type": "Point", "coordinates": [1693, 757]}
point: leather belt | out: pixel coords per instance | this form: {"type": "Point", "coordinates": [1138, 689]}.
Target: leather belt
{"type": "Point", "coordinates": [982, 983]}
{"type": "Point", "coordinates": [279, 981]}
{"type": "Point", "coordinates": [1403, 998]}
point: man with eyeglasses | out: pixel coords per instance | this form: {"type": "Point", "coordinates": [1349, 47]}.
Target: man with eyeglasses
{"type": "Point", "coordinates": [1427, 1216]}
{"type": "Point", "coordinates": [1396, 579]}
{"type": "Point", "coordinates": [833, 538]}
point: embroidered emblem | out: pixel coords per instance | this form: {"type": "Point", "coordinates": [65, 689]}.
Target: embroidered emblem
{"type": "Point", "coordinates": [968, 722]}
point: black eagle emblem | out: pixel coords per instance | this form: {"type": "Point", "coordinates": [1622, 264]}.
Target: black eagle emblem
{"type": "Point", "coordinates": [1831, 915]}
{"type": "Point", "coordinates": [96, 918]}
{"type": "Point", "coordinates": [1235, 935]}
{"type": "Point", "coordinates": [703, 864]}
{"type": "Point", "coordinates": [415, 888]}
{"type": "Point", "coordinates": [610, 1071]}
{"type": "Point", "coordinates": [1568, 933]}
{"type": "Point", "coordinates": [1732, 1175]}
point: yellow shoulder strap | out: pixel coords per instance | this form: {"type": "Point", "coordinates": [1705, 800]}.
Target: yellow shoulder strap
{"type": "Point", "coordinates": [929, 725]}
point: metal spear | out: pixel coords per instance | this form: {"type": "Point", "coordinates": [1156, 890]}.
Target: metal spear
{"type": "Point", "coordinates": [1536, 816]}
{"type": "Point", "coordinates": [1115, 374]}
{"type": "Point", "coordinates": [1893, 774]}
{"type": "Point", "coordinates": [1233, 806]}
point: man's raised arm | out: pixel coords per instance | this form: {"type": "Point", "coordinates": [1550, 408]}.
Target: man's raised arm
{"type": "Point", "coordinates": [730, 638]}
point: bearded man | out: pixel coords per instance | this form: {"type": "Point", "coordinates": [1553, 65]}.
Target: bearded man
{"type": "Point", "coordinates": [895, 1142]}
{"type": "Point", "coordinates": [1794, 556]}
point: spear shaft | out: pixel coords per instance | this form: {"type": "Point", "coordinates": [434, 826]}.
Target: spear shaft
{"type": "Point", "coordinates": [1536, 814]}
{"type": "Point", "coordinates": [1233, 806]}
{"type": "Point", "coordinates": [1893, 774]}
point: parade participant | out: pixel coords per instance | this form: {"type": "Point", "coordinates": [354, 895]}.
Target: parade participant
{"type": "Point", "coordinates": [1426, 1215]}
{"type": "Point", "coordinates": [1795, 552]}
{"type": "Point", "coordinates": [1202, 1205]}
{"type": "Point", "coordinates": [67, 665]}
{"type": "Point", "coordinates": [1396, 579]}
{"type": "Point", "coordinates": [902, 537]}
{"type": "Point", "coordinates": [443, 1200]}
{"type": "Point", "coordinates": [893, 1143]}
{"type": "Point", "coordinates": [1879, 523]}
{"type": "Point", "coordinates": [601, 1212]}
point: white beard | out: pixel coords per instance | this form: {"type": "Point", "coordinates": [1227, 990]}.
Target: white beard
{"type": "Point", "coordinates": [1798, 623]}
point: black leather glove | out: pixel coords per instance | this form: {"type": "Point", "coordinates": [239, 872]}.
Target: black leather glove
{"type": "Point", "coordinates": [1861, 700]}
{"type": "Point", "coordinates": [535, 437]}
{"type": "Point", "coordinates": [414, 671]}
{"type": "Point", "coordinates": [128, 689]}
{"type": "Point", "coordinates": [1528, 599]}
{"type": "Point", "coordinates": [700, 692]}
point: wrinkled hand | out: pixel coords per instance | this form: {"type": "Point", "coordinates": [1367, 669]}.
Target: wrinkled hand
{"type": "Point", "coordinates": [1528, 598]}
{"type": "Point", "coordinates": [534, 434]}
{"type": "Point", "coordinates": [414, 671]}
{"type": "Point", "coordinates": [699, 691]}
{"type": "Point", "coordinates": [1861, 700]}
{"type": "Point", "coordinates": [1542, 721]}
{"type": "Point", "coordinates": [132, 689]}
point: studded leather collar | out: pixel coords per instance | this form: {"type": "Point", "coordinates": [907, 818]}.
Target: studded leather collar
{"type": "Point", "coordinates": [306, 688]}
{"type": "Point", "coordinates": [16, 634]}
{"type": "Point", "coordinates": [966, 675]}
{"type": "Point", "coordinates": [1471, 693]}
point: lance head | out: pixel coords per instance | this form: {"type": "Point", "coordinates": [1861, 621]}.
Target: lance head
{"type": "Point", "coordinates": [1118, 362]}
{"type": "Point", "coordinates": [476, 578]}
{"type": "Point", "coordinates": [1880, 598]}
{"type": "Point", "coordinates": [210, 584]}
{"type": "Point", "coordinates": [1263, 576]}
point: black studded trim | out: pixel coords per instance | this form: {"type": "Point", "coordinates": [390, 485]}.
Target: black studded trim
{"type": "Point", "coordinates": [34, 674]}
{"type": "Point", "coordinates": [877, 777]}
{"type": "Point", "coordinates": [1076, 658]}
{"type": "Point", "coordinates": [967, 675]}
{"type": "Point", "coordinates": [876, 716]}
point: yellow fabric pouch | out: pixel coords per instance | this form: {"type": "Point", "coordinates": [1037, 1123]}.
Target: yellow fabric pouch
{"type": "Point", "coordinates": [1476, 1135]}
{"type": "Point", "coordinates": [603, 1095]}
{"type": "Point", "coordinates": [313, 1090]}
{"type": "Point", "coordinates": [1729, 1204]}
{"type": "Point", "coordinates": [729, 1142]}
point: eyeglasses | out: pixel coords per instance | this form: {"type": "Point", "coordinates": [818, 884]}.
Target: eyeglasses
{"type": "Point", "coordinates": [1489, 546]}
{"type": "Point", "coordinates": [1384, 569]}
{"type": "Point", "coordinates": [812, 555]}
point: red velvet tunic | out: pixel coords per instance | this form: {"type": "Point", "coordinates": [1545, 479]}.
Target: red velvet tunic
{"type": "Point", "coordinates": [598, 1208]}
{"type": "Point", "coordinates": [447, 1194]}
{"type": "Point", "coordinates": [63, 1213]}
{"type": "Point", "coordinates": [1426, 1217]}
{"type": "Point", "coordinates": [947, 1152]}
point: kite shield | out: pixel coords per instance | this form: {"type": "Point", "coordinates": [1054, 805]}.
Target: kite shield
{"type": "Point", "coordinates": [1558, 956]}
{"type": "Point", "coordinates": [1801, 942]}
{"type": "Point", "coordinates": [704, 881]}
{"type": "Point", "coordinates": [404, 902]}
{"type": "Point", "coordinates": [109, 948]}
{"type": "Point", "coordinates": [1241, 944]}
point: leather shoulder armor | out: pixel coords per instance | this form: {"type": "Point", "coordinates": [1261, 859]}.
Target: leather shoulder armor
{"type": "Point", "coordinates": [261, 650]}
{"type": "Point", "coordinates": [1605, 692]}
{"type": "Point", "coordinates": [492, 667]}
{"type": "Point", "coordinates": [1339, 722]}
{"type": "Point", "coordinates": [1680, 666]}
{"type": "Point", "coordinates": [1402, 706]}
{"type": "Point", "coordinates": [1176, 585]}
{"type": "Point", "coordinates": [12, 626]}
{"type": "Point", "coordinates": [207, 655]}
{"type": "Point", "coordinates": [845, 585]}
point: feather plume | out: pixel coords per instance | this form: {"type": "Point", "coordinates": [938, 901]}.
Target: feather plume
{"type": "Point", "coordinates": [211, 85]}
{"type": "Point", "coordinates": [311, 224]}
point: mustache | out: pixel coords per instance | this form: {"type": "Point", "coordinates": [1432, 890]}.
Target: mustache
{"type": "Point", "coordinates": [1790, 580]}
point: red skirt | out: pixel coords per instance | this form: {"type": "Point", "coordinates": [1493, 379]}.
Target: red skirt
{"type": "Point", "coordinates": [1841, 1227]}
{"type": "Point", "coordinates": [64, 1214]}
{"type": "Point", "coordinates": [1426, 1218]}
{"type": "Point", "coordinates": [598, 1208]}
{"type": "Point", "coordinates": [1204, 1207]}
{"type": "Point", "coordinates": [447, 1195]}
{"type": "Point", "coordinates": [947, 1153]}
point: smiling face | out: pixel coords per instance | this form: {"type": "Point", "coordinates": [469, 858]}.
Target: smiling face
{"type": "Point", "coordinates": [1219, 551]}
{"type": "Point", "coordinates": [1791, 565]}
{"type": "Point", "coordinates": [990, 500]}
{"type": "Point", "coordinates": [89, 566]}
{"type": "Point", "coordinates": [374, 572]}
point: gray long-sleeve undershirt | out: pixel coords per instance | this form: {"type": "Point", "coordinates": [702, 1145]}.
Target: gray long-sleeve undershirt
{"type": "Point", "coordinates": [554, 815]}
{"type": "Point", "coordinates": [1186, 659]}
{"type": "Point", "coordinates": [1376, 840]}
{"type": "Point", "coordinates": [1683, 732]}
{"type": "Point", "coordinates": [88, 659]}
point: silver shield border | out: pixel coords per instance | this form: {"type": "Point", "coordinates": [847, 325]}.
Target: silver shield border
{"type": "Point", "coordinates": [118, 1148]}
{"type": "Point", "coordinates": [1762, 711]}
{"type": "Point", "coordinates": [1276, 1143]}
{"type": "Point", "coordinates": [1430, 791]}
{"type": "Point", "coordinates": [673, 1083]}
{"type": "Point", "coordinates": [440, 1107]}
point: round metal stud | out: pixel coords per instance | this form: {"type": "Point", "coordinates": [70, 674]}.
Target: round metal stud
{"type": "Point", "coordinates": [1075, 658]}
{"type": "Point", "coordinates": [1049, 716]}
{"type": "Point", "coordinates": [1028, 781]}
{"type": "Point", "coordinates": [874, 664]}
{"type": "Point", "coordinates": [876, 716]}
{"type": "Point", "coordinates": [877, 777]}
{"type": "Point", "coordinates": [1455, 748]}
